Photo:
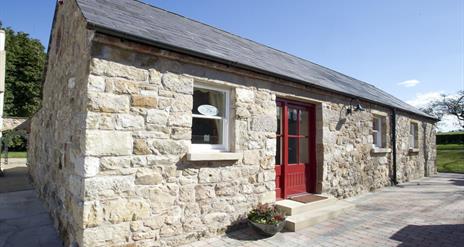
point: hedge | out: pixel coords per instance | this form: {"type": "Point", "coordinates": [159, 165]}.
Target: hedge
{"type": "Point", "coordinates": [448, 138]}
{"type": "Point", "coordinates": [16, 140]}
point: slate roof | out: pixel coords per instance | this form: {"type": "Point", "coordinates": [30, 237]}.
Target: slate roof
{"type": "Point", "coordinates": [144, 23]}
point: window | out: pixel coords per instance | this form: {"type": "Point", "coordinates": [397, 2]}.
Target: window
{"type": "Point", "coordinates": [210, 115]}
{"type": "Point", "coordinates": [379, 131]}
{"type": "Point", "coordinates": [413, 135]}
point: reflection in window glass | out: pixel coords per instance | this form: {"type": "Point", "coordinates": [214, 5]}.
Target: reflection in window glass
{"type": "Point", "coordinates": [292, 121]}
{"type": "Point", "coordinates": [279, 119]}
{"type": "Point", "coordinates": [304, 123]}
{"type": "Point", "coordinates": [278, 157]}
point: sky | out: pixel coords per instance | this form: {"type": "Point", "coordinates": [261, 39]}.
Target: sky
{"type": "Point", "coordinates": [412, 49]}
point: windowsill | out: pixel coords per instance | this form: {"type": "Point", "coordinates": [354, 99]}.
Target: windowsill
{"type": "Point", "coordinates": [377, 150]}
{"type": "Point", "coordinates": [204, 156]}
{"type": "Point", "coordinates": [413, 150]}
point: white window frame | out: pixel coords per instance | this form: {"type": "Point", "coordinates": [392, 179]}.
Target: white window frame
{"type": "Point", "coordinates": [378, 138]}
{"type": "Point", "coordinates": [413, 142]}
{"type": "Point", "coordinates": [224, 147]}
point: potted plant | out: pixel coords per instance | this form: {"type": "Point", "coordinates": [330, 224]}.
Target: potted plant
{"type": "Point", "coordinates": [266, 219]}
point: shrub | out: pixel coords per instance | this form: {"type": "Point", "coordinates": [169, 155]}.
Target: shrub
{"type": "Point", "coordinates": [16, 140]}
{"type": "Point", "coordinates": [450, 138]}
{"type": "Point", "coordinates": [266, 214]}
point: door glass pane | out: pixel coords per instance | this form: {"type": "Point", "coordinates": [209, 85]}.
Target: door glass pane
{"type": "Point", "coordinates": [292, 121]}
{"type": "Point", "coordinates": [279, 120]}
{"type": "Point", "coordinates": [206, 131]}
{"type": "Point", "coordinates": [304, 122]}
{"type": "Point", "coordinates": [278, 157]}
{"type": "Point", "coordinates": [292, 150]}
{"type": "Point", "coordinates": [304, 150]}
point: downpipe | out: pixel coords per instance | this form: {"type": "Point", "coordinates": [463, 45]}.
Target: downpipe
{"type": "Point", "coordinates": [394, 181]}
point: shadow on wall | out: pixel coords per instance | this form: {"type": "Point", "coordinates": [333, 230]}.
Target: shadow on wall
{"type": "Point", "coordinates": [430, 235]}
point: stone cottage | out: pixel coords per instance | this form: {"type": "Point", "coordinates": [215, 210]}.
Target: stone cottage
{"type": "Point", "coordinates": [157, 130]}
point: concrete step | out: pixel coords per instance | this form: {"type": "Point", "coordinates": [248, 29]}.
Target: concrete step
{"type": "Point", "coordinates": [293, 207]}
{"type": "Point", "coordinates": [317, 214]}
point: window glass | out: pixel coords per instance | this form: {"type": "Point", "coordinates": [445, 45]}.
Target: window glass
{"type": "Point", "coordinates": [292, 121]}
{"type": "Point", "coordinates": [208, 102]}
{"type": "Point", "coordinates": [279, 120]}
{"type": "Point", "coordinates": [304, 122]}
{"type": "Point", "coordinates": [304, 150]}
{"type": "Point", "coordinates": [292, 150]}
{"type": "Point", "coordinates": [209, 120]}
{"type": "Point", "coordinates": [278, 157]}
{"type": "Point", "coordinates": [413, 135]}
{"type": "Point", "coordinates": [379, 131]}
{"type": "Point", "coordinates": [376, 123]}
{"type": "Point", "coordinates": [206, 131]}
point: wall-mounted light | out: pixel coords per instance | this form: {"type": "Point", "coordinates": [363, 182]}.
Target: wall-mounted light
{"type": "Point", "coordinates": [357, 107]}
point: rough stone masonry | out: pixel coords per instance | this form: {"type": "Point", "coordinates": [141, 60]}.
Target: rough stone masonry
{"type": "Point", "coordinates": [107, 151]}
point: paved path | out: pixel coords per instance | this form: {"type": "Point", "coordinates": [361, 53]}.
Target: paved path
{"type": "Point", "coordinates": [427, 212]}
{"type": "Point", "coordinates": [15, 177]}
{"type": "Point", "coordinates": [24, 221]}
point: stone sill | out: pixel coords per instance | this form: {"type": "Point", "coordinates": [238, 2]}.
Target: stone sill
{"type": "Point", "coordinates": [214, 156]}
{"type": "Point", "coordinates": [413, 150]}
{"type": "Point", "coordinates": [381, 150]}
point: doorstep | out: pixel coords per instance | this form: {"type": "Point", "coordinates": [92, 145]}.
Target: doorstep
{"type": "Point", "coordinates": [301, 215]}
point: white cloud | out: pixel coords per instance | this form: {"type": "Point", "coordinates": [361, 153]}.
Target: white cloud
{"type": "Point", "coordinates": [448, 122]}
{"type": "Point", "coordinates": [423, 99]}
{"type": "Point", "coordinates": [409, 83]}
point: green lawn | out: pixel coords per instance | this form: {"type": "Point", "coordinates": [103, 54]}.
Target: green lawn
{"type": "Point", "coordinates": [450, 158]}
{"type": "Point", "coordinates": [17, 154]}
{"type": "Point", "coordinates": [451, 133]}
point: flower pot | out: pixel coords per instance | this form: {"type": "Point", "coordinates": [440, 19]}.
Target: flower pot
{"type": "Point", "coordinates": [266, 229]}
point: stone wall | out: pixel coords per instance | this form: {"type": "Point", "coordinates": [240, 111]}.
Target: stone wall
{"type": "Point", "coordinates": [56, 143]}
{"type": "Point", "coordinates": [10, 123]}
{"type": "Point", "coordinates": [139, 186]}
{"type": "Point", "coordinates": [350, 165]}
{"type": "Point", "coordinates": [413, 164]}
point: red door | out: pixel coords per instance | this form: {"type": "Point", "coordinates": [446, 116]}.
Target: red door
{"type": "Point", "coordinates": [295, 159]}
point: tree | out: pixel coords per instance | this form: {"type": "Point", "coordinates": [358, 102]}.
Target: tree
{"type": "Point", "coordinates": [25, 59]}
{"type": "Point", "coordinates": [449, 104]}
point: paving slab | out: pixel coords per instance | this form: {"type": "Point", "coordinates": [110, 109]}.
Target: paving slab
{"type": "Point", "coordinates": [425, 212]}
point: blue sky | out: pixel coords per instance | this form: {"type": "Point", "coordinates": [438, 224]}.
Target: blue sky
{"type": "Point", "coordinates": [385, 43]}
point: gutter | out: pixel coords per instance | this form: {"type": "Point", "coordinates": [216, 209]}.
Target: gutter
{"type": "Point", "coordinates": [115, 33]}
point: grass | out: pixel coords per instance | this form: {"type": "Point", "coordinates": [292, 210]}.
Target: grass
{"type": "Point", "coordinates": [451, 133]}
{"type": "Point", "coordinates": [450, 158]}
{"type": "Point", "coordinates": [17, 154]}
{"type": "Point", "coordinates": [450, 147]}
